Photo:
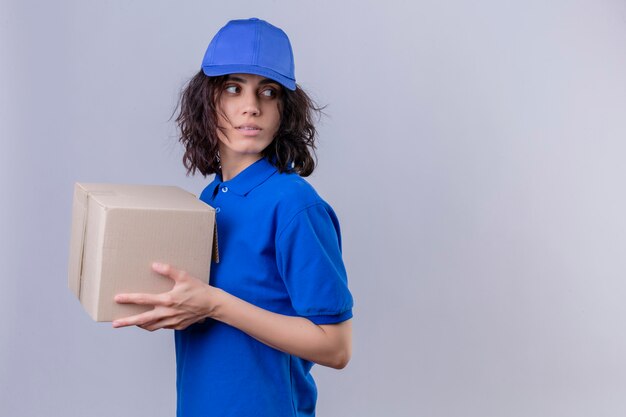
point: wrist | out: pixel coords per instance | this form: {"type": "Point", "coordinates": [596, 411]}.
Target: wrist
{"type": "Point", "coordinates": [215, 301]}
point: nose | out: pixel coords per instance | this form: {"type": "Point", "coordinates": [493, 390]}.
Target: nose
{"type": "Point", "coordinates": [251, 105]}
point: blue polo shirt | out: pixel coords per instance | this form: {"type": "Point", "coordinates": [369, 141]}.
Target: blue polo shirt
{"type": "Point", "coordinates": [280, 249]}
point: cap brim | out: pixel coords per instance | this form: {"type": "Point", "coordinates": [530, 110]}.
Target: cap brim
{"type": "Point", "coordinates": [215, 70]}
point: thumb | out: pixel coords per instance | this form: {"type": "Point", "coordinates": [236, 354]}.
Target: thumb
{"type": "Point", "coordinates": [165, 269]}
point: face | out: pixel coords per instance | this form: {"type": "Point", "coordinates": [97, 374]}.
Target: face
{"type": "Point", "coordinates": [249, 115]}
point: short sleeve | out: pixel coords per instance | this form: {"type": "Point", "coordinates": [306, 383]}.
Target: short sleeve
{"type": "Point", "coordinates": [308, 255]}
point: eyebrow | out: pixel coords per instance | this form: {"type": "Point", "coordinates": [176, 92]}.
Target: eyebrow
{"type": "Point", "coordinates": [244, 81]}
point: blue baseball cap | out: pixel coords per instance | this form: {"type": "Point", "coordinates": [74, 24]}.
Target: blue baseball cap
{"type": "Point", "coordinates": [251, 46]}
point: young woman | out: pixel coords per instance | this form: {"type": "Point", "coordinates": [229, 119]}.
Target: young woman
{"type": "Point", "coordinates": [278, 299]}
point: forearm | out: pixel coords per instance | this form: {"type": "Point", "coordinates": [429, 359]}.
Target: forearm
{"type": "Point", "coordinates": [191, 300]}
{"type": "Point", "coordinates": [328, 345]}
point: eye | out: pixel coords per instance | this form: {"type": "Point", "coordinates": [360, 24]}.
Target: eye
{"type": "Point", "coordinates": [269, 92]}
{"type": "Point", "coordinates": [232, 89]}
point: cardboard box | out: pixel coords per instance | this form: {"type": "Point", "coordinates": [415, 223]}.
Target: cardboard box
{"type": "Point", "coordinates": [119, 230]}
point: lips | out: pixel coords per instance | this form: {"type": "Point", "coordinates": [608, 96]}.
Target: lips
{"type": "Point", "coordinates": [249, 130]}
{"type": "Point", "coordinates": [248, 127]}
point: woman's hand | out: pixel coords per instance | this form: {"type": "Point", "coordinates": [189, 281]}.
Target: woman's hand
{"type": "Point", "coordinates": [188, 302]}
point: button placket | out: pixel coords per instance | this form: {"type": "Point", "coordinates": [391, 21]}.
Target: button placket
{"type": "Point", "coordinates": [222, 188]}
{"type": "Point", "coordinates": [215, 198]}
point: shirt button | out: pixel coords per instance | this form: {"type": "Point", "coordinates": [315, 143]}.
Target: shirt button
{"type": "Point", "coordinates": [217, 209]}
{"type": "Point", "coordinates": [224, 189]}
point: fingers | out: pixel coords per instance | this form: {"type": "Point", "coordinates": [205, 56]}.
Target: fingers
{"type": "Point", "coordinates": [159, 318]}
{"type": "Point", "coordinates": [142, 319]}
{"type": "Point", "coordinates": [144, 299]}
{"type": "Point", "coordinates": [153, 299]}
{"type": "Point", "coordinates": [163, 269]}
{"type": "Point", "coordinates": [151, 320]}
{"type": "Point", "coordinates": [168, 271]}
{"type": "Point", "coordinates": [173, 323]}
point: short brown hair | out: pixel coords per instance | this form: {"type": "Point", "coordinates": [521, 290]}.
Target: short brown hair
{"type": "Point", "coordinates": [293, 147]}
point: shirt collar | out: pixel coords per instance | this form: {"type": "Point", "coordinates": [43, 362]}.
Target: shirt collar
{"type": "Point", "coordinates": [250, 178]}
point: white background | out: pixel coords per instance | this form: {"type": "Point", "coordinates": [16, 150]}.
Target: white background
{"type": "Point", "coordinates": [474, 152]}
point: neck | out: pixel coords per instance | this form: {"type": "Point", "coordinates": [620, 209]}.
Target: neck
{"type": "Point", "coordinates": [233, 166]}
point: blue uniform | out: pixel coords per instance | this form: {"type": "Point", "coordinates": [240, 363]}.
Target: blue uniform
{"type": "Point", "coordinates": [280, 249]}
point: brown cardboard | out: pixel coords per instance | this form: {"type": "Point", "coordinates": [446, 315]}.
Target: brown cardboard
{"type": "Point", "coordinates": [119, 230]}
